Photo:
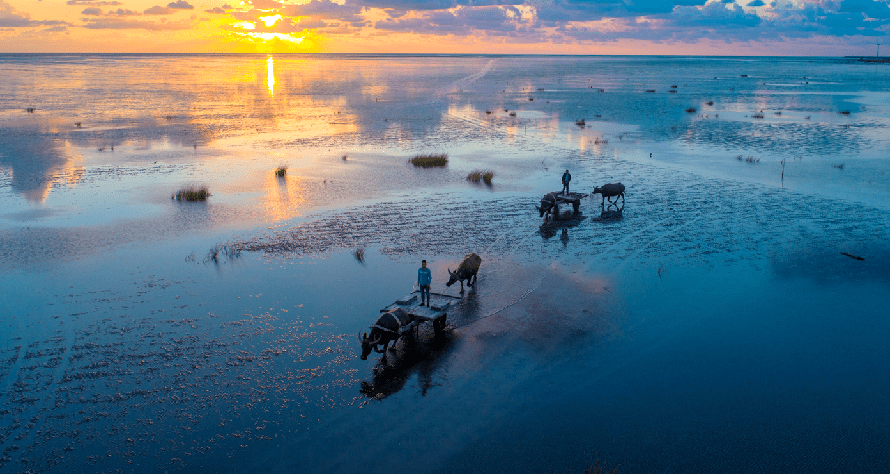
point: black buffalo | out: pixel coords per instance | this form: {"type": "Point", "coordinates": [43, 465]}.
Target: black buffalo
{"type": "Point", "coordinates": [548, 205]}
{"type": "Point", "coordinates": [610, 190]}
{"type": "Point", "coordinates": [389, 327]}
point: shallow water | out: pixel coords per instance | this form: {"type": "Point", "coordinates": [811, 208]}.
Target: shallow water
{"type": "Point", "coordinates": [718, 322]}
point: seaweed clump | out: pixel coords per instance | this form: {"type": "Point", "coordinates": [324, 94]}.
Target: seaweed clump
{"type": "Point", "coordinates": [481, 175]}
{"type": "Point", "coordinates": [430, 161]}
{"type": "Point", "coordinates": [192, 193]}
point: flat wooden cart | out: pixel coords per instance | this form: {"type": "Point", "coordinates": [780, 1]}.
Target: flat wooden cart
{"type": "Point", "coordinates": [556, 198]}
{"type": "Point", "coordinates": [436, 314]}
{"type": "Point", "coordinates": [569, 198]}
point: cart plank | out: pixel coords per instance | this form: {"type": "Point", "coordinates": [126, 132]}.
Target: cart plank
{"type": "Point", "coordinates": [439, 305]}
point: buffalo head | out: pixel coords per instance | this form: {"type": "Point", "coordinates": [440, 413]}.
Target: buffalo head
{"type": "Point", "coordinates": [367, 345]}
{"type": "Point", "coordinates": [547, 202]}
{"type": "Point", "coordinates": [453, 277]}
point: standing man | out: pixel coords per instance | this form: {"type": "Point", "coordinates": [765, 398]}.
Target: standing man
{"type": "Point", "coordinates": [424, 279]}
{"type": "Point", "coordinates": [566, 179]}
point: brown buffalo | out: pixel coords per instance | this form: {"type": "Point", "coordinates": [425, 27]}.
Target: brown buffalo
{"type": "Point", "coordinates": [466, 271]}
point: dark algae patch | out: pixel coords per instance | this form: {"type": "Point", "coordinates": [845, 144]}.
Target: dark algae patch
{"type": "Point", "coordinates": [430, 161]}
{"type": "Point", "coordinates": [192, 193]}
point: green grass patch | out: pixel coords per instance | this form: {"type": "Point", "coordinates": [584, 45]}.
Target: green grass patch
{"type": "Point", "coordinates": [481, 175]}
{"type": "Point", "coordinates": [430, 161]}
{"type": "Point", "coordinates": [192, 193]}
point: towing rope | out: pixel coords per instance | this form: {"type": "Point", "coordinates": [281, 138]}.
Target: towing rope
{"type": "Point", "coordinates": [493, 313]}
{"type": "Point", "coordinates": [517, 300]}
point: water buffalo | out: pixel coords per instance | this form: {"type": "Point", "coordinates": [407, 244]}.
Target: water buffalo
{"type": "Point", "coordinates": [466, 271]}
{"type": "Point", "coordinates": [548, 205]}
{"type": "Point", "coordinates": [610, 190]}
{"type": "Point", "coordinates": [389, 327]}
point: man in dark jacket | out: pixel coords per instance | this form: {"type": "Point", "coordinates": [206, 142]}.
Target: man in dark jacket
{"type": "Point", "coordinates": [566, 179]}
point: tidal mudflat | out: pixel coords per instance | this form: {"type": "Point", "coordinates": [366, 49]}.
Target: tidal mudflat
{"type": "Point", "coordinates": [732, 317]}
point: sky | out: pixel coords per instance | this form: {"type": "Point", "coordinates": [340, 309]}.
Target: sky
{"type": "Point", "coordinates": [680, 27]}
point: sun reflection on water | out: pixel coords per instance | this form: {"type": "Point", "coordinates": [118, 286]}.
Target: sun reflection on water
{"type": "Point", "coordinates": [270, 77]}
{"type": "Point", "coordinates": [284, 197]}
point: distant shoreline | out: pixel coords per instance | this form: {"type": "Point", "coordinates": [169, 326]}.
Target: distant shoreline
{"type": "Point", "coordinates": [870, 59]}
{"type": "Point", "coordinates": [879, 59]}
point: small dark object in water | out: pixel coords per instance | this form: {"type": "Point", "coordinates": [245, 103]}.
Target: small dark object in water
{"type": "Point", "coordinates": [691, 110]}
{"type": "Point", "coordinates": [852, 256]}
{"type": "Point", "coordinates": [466, 271]}
{"type": "Point", "coordinates": [610, 190]}
{"type": "Point", "coordinates": [580, 122]}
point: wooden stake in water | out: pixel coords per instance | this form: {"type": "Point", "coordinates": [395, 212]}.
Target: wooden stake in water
{"type": "Point", "coordinates": [783, 172]}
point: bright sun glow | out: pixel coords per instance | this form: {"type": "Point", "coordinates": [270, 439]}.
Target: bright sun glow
{"type": "Point", "coordinates": [280, 36]}
{"type": "Point", "coordinates": [270, 20]}
{"type": "Point", "coordinates": [270, 77]}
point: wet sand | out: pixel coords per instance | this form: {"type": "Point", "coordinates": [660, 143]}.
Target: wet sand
{"type": "Point", "coordinates": [718, 322]}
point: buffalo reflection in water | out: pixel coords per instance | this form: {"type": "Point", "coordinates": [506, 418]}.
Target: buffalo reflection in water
{"type": "Point", "coordinates": [566, 220]}
{"type": "Point", "coordinates": [423, 355]}
{"type": "Point", "coordinates": [610, 212]}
